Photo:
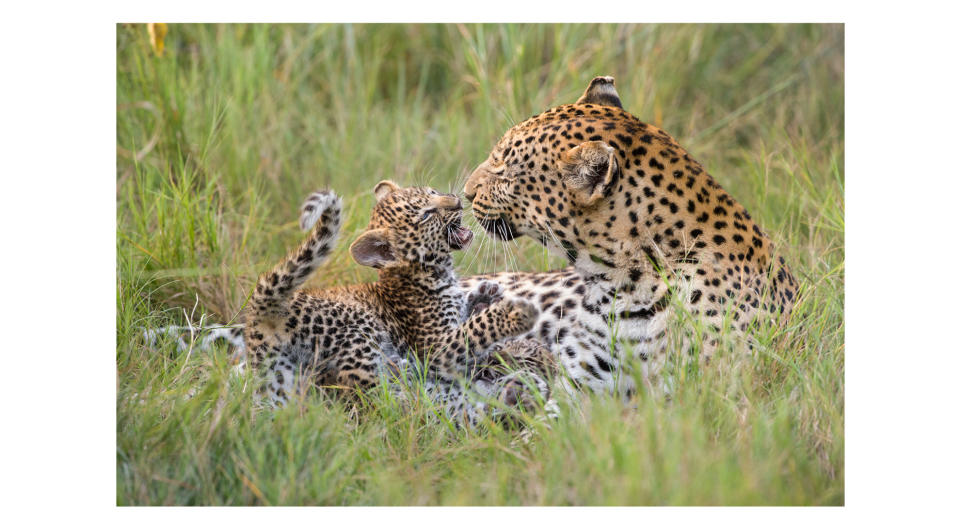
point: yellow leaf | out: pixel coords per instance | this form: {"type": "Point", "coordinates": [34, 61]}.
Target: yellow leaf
{"type": "Point", "coordinates": [157, 32]}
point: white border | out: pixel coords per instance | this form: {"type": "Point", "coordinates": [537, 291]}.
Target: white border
{"type": "Point", "coordinates": [58, 114]}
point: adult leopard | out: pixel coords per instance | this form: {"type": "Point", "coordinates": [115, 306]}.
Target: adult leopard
{"type": "Point", "coordinates": [641, 223]}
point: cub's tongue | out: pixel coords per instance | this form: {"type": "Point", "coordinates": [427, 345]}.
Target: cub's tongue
{"type": "Point", "coordinates": [460, 237]}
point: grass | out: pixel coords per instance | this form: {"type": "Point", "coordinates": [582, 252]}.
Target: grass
{"type": "Point", "coordinates": [221, 137]}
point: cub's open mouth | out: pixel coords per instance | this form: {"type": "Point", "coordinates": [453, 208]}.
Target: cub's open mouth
{"type": "Point", "coordinates": [458, 236]}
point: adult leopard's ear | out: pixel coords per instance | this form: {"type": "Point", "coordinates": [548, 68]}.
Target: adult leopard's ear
{"type": "Point", "coordinates": [384, 188]}
{"type": "Point", "coordinates": [589, 170]}
{"type": "Point", "coordinates": [601, 92]}
{"type": "Point", "coordinates": [373, 249]}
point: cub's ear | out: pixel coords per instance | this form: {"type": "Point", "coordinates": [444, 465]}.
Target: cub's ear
{"type": "Point", "coordinates": [588, 170]}
{"type": "Point", "coordinates": [373, 249]}
{"type": "Point", "coordinates": [601, 92]}
{"type": "Point", "coordinates": [384, 188]}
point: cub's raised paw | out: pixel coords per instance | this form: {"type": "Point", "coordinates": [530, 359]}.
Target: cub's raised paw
{"type": "Point", "coordinates": [315, 205]}
{"type": "Point", "coordinates": [486, 294]}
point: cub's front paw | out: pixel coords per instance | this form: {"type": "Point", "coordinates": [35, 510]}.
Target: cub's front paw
{"type": "Point", "coordinates": [523, 390]}
{"type": "Point", "coordinates": [486, 294]}
{"type": "Point", "coordinates": [521, 315]}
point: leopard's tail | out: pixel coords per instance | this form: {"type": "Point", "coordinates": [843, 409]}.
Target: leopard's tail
{"type": "Point", "coordinates": [275, 287]}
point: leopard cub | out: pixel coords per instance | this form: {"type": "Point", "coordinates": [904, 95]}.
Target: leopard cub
{"type": "Point", "coordinates": [349, 336]}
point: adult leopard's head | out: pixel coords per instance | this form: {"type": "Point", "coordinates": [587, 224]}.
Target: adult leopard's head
{"type": "Point", "coordinates": [550, 175]}
{"type": "Point", "coordinates": [603, 187]}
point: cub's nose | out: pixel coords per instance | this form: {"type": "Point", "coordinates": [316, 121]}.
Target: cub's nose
{"type": "Point", "coordinates": [455, 205]}
{"type": "Point", "coordinates": [448, 202]}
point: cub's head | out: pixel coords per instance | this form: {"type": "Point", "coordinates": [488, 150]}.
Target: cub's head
{"type": "Point", "coordinates": [410, 225]}
{"type": "Point", "coordinates": [556, 172]}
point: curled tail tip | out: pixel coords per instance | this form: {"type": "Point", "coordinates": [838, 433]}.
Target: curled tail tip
{"type": "Point", "coordinates": [315, 205]}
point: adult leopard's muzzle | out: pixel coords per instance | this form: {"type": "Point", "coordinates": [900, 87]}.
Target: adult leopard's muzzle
{"type": "Point", "coordinates": [499, 227]}
{"type": "Point", "coordinates": [491, 220]}
{"type": "Point", "coordinates": [480, 177]}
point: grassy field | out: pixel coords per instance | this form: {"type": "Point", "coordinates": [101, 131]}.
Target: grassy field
{"type": "Point", "coordinates": [220, 138]}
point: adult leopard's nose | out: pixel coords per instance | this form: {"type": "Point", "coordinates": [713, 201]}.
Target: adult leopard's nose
{"type": "Point", "coordinates": [470, 189]}
{"type": "Point", "coordinates": [477, 178]}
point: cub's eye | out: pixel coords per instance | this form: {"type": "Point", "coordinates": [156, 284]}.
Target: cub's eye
{"type": "Point", "coordinates": [428, 213]}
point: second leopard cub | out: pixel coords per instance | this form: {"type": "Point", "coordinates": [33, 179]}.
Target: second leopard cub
{"type": "Point", "coordinates": [348, 336]}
